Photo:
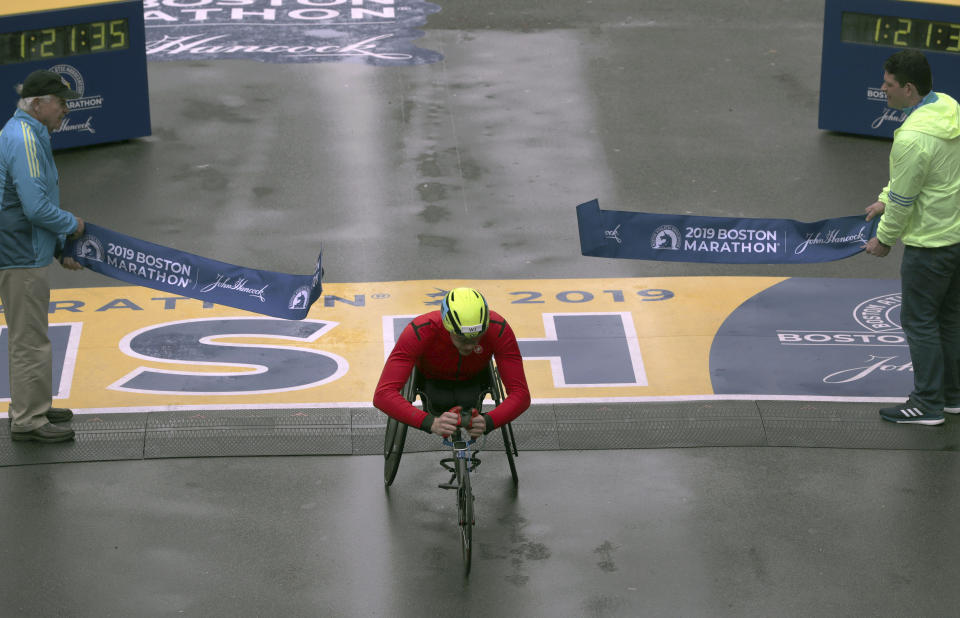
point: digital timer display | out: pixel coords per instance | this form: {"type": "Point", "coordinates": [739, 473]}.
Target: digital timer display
{"type": "Point", "coordinates": [904, 32]}
{"type": "Point", "coordinates": [98, 47]}
{"type": "Point", "coordinates": [64, 41]}
{"type": "Point", "coordinates": [858, 38]}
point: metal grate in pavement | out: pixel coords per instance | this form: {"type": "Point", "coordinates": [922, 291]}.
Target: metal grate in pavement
{"type": "Point", "coordinates": [850, 425]}
{"type": "Point", "coordinates": [238, 433]}
{"type": "Point", "coordinates": [359, 431]}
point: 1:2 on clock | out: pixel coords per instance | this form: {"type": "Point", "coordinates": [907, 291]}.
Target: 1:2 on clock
{"type": "Point", "coordinates": [63, 41]}
{"type": "Point", "coordinates": [896, 31]}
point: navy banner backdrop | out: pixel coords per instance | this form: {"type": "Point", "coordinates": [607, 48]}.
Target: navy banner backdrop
{"type": "Point", "coordinates": [723, 240]}
{"type": "Point", "coordinates": [154, 266]}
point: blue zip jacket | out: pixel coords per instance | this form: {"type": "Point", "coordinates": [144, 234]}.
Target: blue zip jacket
{"type": "Point", "coordinates": [32, 225]}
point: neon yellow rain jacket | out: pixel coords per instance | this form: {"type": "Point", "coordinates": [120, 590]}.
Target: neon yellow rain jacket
{"type": "Point", "coordinates": [922, 199]}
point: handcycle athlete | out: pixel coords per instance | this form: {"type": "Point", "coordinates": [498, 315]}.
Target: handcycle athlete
{"type": "Point", "coordinates": [451, 350]}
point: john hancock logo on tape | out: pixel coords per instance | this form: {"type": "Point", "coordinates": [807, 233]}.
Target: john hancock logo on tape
{"type": "Point", "coordinates": [239, 285]}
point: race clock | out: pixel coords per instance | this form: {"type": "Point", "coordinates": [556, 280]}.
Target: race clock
{"type": "Point", "coordinates": [98, 47]}
{"type": "Point", "coordinates": [858, 36]}
{"type": "Point", "coordinates": [65, 41]}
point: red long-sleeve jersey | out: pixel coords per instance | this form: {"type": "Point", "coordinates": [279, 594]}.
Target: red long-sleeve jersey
{"type": "Point", "coordinates": [426, 345]}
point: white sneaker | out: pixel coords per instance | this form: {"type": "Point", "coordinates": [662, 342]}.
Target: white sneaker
{"type": "Point", "coordinates": [952, 410]}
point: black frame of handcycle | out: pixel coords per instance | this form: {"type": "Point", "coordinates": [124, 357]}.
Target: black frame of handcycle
{"type": "Point", "coordinates": [463, 461]}
{"type": "Point", "coordinates": [396, 432]}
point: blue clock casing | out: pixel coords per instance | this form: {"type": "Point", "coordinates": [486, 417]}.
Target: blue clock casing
{"type": "Point", "coordinates": [858, 36]}
{"type": "Point", "coordinates": [99, 49]}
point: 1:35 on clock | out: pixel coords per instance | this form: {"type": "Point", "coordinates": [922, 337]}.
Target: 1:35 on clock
{"type": "Point", "coordinates": [63, 41]}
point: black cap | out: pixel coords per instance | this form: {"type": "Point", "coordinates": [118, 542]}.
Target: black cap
{"type": "Point", "coordinates": [41, 82]}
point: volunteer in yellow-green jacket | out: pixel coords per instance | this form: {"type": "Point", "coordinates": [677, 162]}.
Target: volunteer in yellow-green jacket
{"type": "Point", "coordinates": [921, 206]}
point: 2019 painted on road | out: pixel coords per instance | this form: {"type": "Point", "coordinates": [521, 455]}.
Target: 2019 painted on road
{"type": "Point", "coordinates": [583, 340]}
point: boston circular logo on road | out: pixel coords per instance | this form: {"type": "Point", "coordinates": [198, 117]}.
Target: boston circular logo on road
{"type": "Point", "coordinates": [379, 32]}
{"type": "Point", "coordinates": [879, 314]}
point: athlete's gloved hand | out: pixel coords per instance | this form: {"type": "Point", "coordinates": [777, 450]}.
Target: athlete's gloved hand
{"type": "Point", "coordinates": [478, 424]}
{"type": "Point", "coordinates": [445, 424]}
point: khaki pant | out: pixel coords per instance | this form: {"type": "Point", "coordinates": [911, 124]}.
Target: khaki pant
{"type": "Point", "coordinates": [25, 294]}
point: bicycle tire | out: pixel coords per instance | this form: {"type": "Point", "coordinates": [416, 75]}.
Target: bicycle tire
{"type": "Point", "coordinates": [393, 440]}
{"type": "Point", "coordinates": [509, 445]}
{"type": "Point", "coordinates": [465, 512]}
{"type": "Point", "coordinates": [388, 437]}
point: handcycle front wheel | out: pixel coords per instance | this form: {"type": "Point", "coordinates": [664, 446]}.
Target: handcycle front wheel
{"type": "Point", "coordinates": [465, 513]}
{"type": "Point", "coordinates": [393, 440]}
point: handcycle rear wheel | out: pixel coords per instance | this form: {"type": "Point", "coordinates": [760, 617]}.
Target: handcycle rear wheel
{"type": "Point", "coordinates": [465, 513]}
{"type": "Point", "coordinates": [393, 440]}
{"type": "Point", "coordinates": [509, 444]}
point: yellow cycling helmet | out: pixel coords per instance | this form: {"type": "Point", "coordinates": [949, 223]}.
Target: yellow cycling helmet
{"type": "Point", "coordinates": [464, 312]}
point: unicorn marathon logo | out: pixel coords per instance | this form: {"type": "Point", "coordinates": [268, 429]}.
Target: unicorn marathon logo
{"type": "Point", "coordinates": [90, 248]}
{"type": "Point", "coordinates": [666, 237]}
{"type": "Point", "coordinates": [300, 298]}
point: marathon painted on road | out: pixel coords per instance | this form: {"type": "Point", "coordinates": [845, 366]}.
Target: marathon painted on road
{"type": "Point", "coordinates": [378, 32]}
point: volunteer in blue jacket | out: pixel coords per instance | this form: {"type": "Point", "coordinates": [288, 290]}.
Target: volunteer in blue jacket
{"type": "Point", "coordinates": [921, 206]}
{"type": "Point", "coordinates": [32, 231]}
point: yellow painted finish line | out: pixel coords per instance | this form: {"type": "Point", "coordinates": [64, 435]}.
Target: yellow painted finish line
{"type": "Point", "coordinates": [134, 349]}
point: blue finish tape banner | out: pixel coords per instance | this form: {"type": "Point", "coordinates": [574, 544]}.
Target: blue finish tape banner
{"type": "Point", "coordinates": [721, 240]}
{"type": "Point", "coordinates": [154, 266]}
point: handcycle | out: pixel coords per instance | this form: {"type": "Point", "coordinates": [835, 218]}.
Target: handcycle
{"type": "Point", "coordinates": [463, 459]}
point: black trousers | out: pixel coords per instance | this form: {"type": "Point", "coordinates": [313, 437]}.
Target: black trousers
{"type": "Point", "coordinates": [930, 316]}
{"type": "Point", "coordinates": [441, 395]}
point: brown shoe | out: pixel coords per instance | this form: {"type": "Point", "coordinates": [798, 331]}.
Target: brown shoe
{"type": "Point", "coordinates": [59, 415]}
{"type": "Point", "coordinates": [45, 433]}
